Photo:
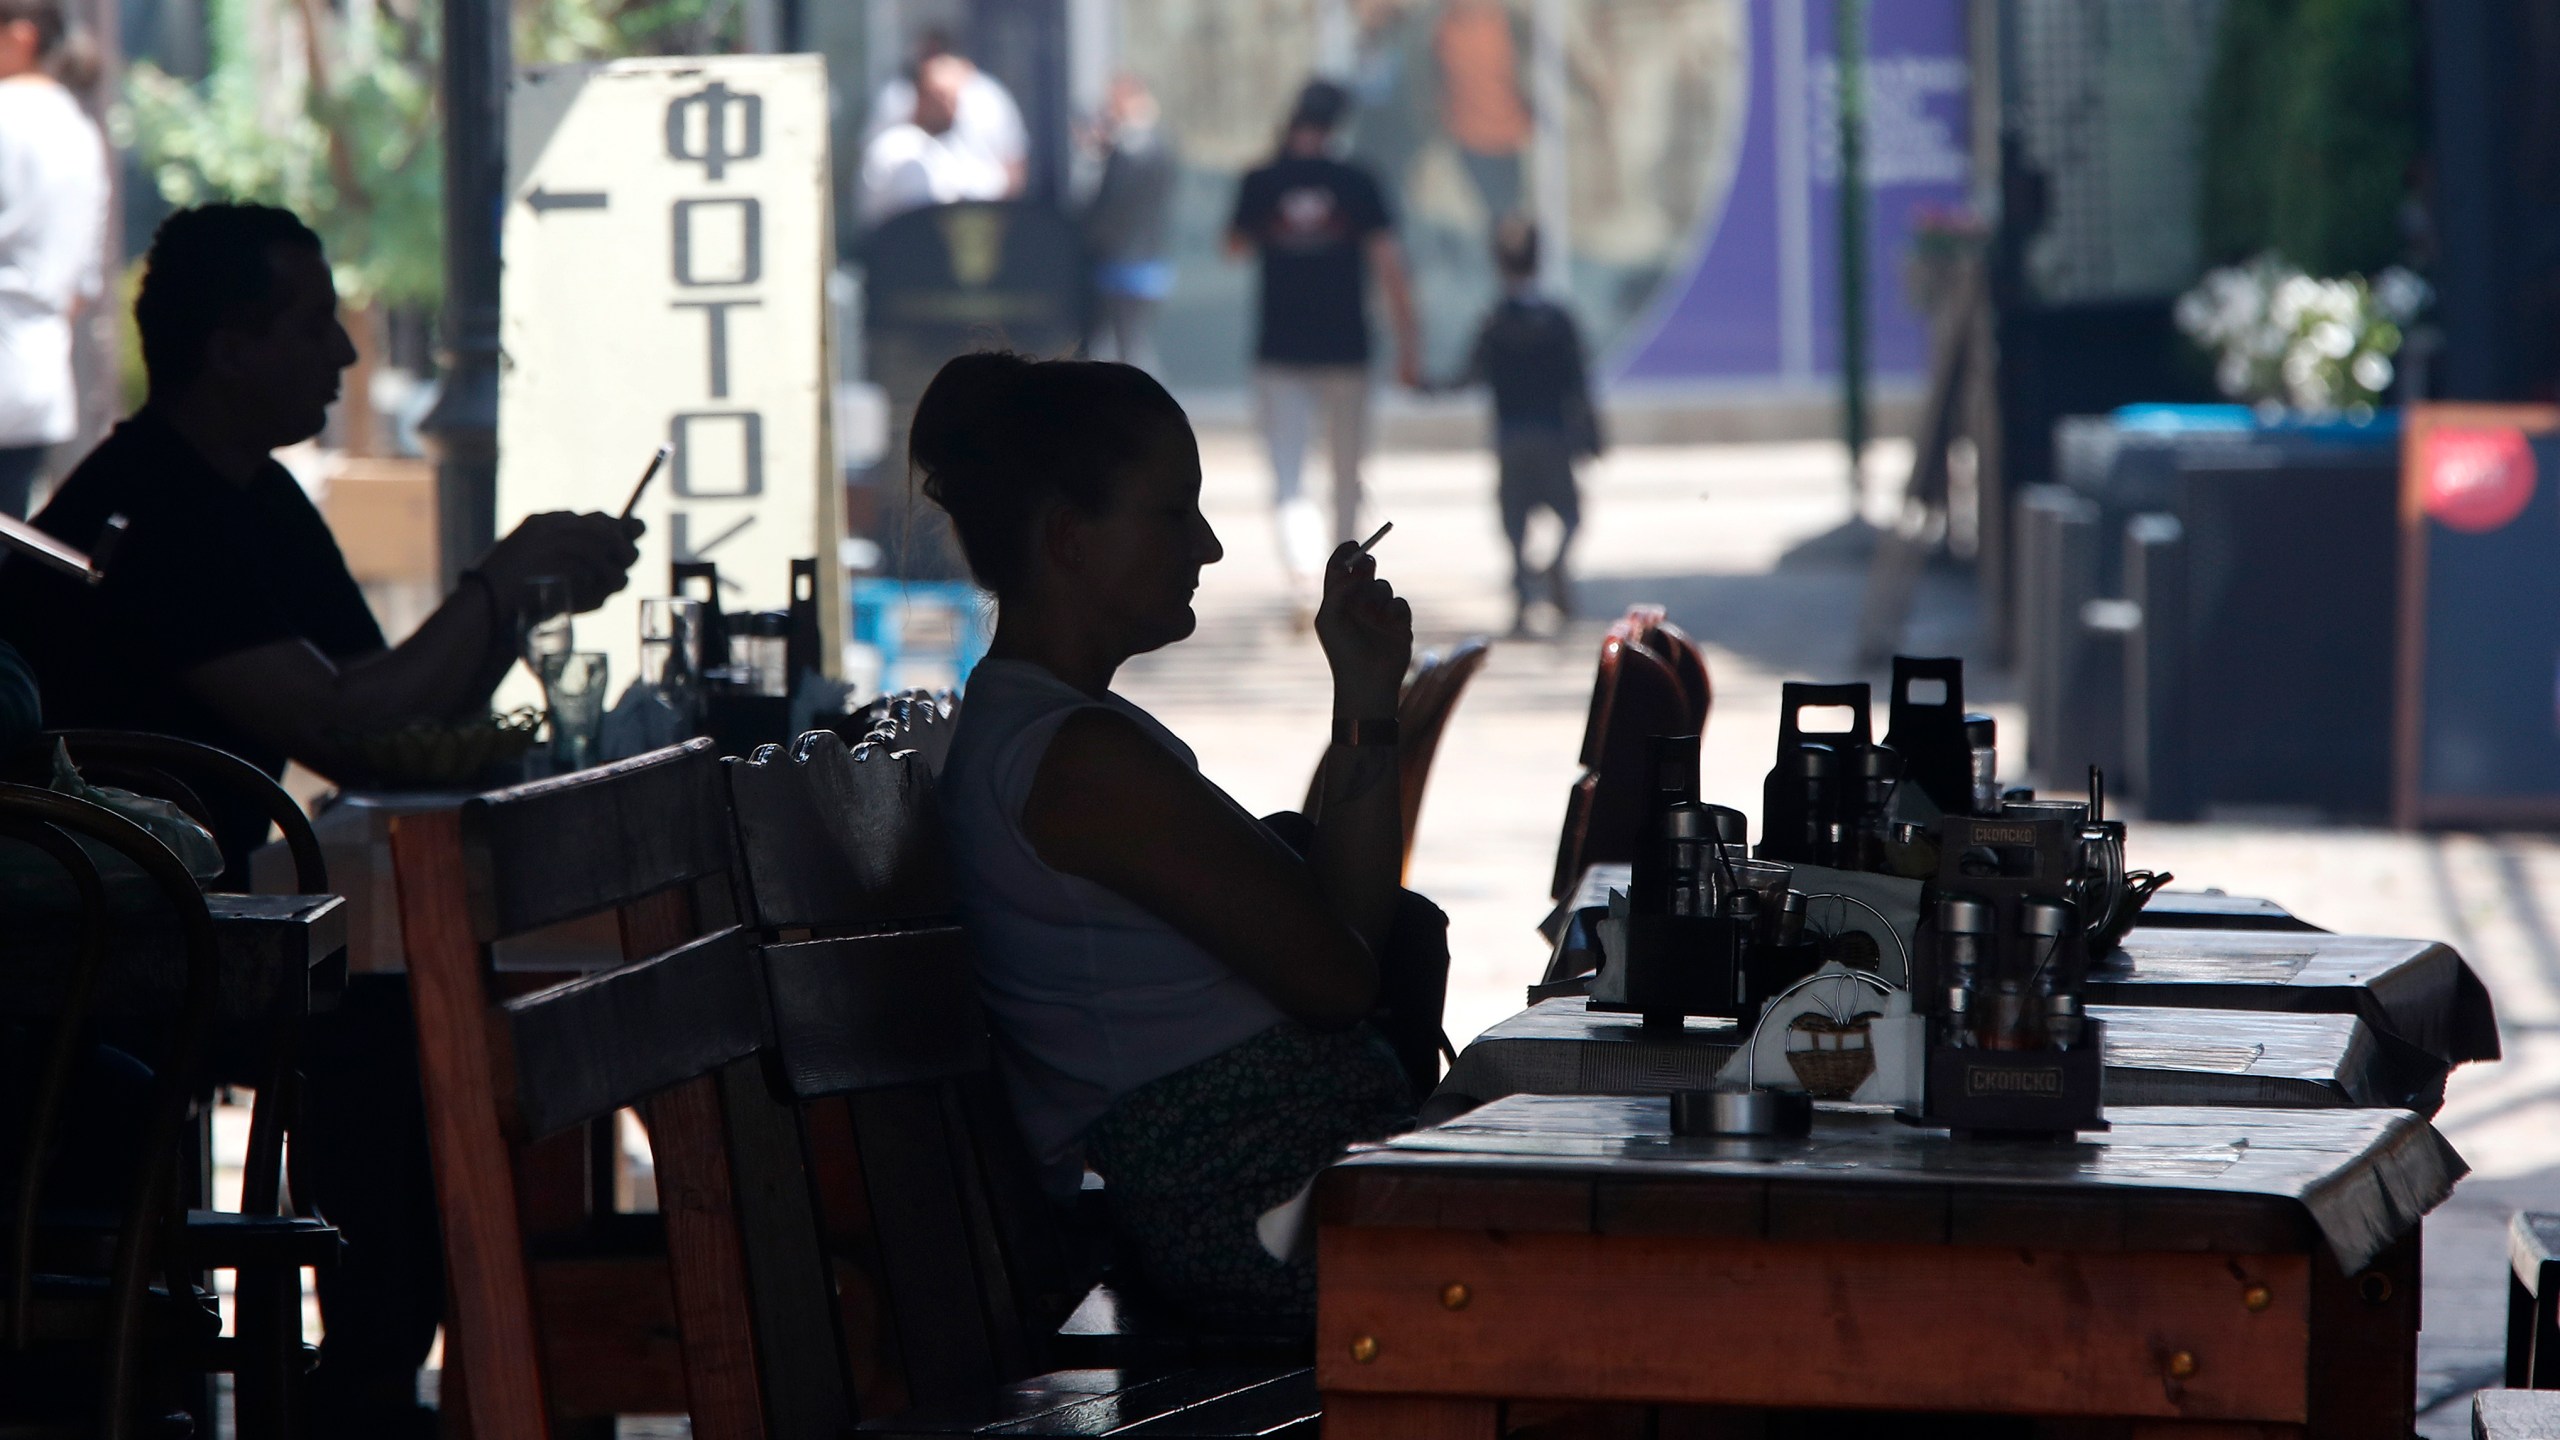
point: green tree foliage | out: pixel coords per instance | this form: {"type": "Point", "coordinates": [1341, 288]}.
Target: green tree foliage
{"type": "Point", "coordinates": [358, 154]}
{"type": "Point", "coordinates": [2310, 131]}
{"type": "Point", "coordinates": [355, 147]}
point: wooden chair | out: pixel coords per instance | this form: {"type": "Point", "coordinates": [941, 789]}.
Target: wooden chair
{"type": "Point", "coordinates": [2533, 1302]}
{"type": "Point", "coordinates": [266, 1259]}
{"type": "Point", "coordinates": [83, 1281]}
{"type": "Point", "coordinates": [955, 1270]}
{"type": "Point", "coordinates": [561, 1309]}
{"type": "Point", "coordinates": [1636, 694]}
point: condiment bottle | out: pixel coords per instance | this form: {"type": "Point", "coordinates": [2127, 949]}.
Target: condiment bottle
{"type": "Point", "coordinates": [1962, 924]}
{"type": "Point", "coordinates": [1982, 737]}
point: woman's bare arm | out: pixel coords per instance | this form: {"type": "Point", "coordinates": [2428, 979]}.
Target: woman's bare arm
{"type": "Point", "coordinates": [1112, 806]}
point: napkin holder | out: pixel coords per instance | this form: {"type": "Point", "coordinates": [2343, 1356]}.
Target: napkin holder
{"type": "Point", "coordinates": [2034, 1090]}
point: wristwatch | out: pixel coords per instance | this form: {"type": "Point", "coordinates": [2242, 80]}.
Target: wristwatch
{"type": "Point", "coordinates": [1365, 732]}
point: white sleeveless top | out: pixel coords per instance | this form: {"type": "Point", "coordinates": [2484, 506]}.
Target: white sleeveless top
{"type": "Point", "coordinates": [1089, 995]}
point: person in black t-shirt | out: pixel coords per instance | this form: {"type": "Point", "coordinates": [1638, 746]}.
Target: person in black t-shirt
{"type": "Point", "coordinates": [1323, 231]}
{"type": "Point", "coordinates": [228, 617]}
{"type": "Point", "coordinates": [1530, 353]}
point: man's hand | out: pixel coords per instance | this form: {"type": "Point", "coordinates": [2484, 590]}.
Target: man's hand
{"type": "Point", "coordinates": [594, 552]}
{"type": "Point", "coordinates": [1367, 633]}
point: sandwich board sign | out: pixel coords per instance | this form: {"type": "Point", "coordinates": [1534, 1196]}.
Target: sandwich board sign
{"type": "Point", "coordinates": [666, 244]}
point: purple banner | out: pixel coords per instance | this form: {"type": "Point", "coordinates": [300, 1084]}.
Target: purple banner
{"type": "Point", "coordinates": [1761, 301]}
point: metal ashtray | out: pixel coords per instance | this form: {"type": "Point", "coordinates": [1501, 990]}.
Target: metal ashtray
{"type": "Point", "coordinates": [1741, 1110]}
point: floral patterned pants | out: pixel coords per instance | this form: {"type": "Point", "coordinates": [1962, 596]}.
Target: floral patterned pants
{"type": "Point", "coordinates": [1193, 1160]}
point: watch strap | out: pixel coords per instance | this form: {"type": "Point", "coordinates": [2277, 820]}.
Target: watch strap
{"type": "Point", "coordinates": [1365, 732]}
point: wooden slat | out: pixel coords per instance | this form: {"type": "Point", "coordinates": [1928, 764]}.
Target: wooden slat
{"type": "Point", "coordinates": [491, 1333]}
{"type": "Point", "coordinates": [594, 840]}
{"type": "Point", "coordinates": [908, 1165]}
{"type": "Point", "coordinates": [2364, 1334]}
{"type": "Point", "coordinates": [838, 839]}
{"type": "Point", "coordinates": [1409, 1417]}
{"type": "Point", "coordinates": [1719, 1322]}
{"type": "Point", "coordinates": [706, 1261]}
{"type": "Point", "coordinates": [799, 1344]}
{"type": "Point", "coordinates": [582, 1050]}
{"type": "Point", "coordinates": [609, 1336]}
{"type": "Point", "coordinates": [874, 1011]}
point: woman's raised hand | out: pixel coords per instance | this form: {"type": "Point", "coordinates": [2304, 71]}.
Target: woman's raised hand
{"type": "Point", "coordinates": [1367, 633]}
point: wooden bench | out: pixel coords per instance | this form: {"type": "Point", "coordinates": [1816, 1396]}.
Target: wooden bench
{"type": "Point", "coordinates": [563, 1310]}
{"type": "Point", "coordinates": [954, 1270]}
{"type": "Point", "coordinates": [2533, 1302]}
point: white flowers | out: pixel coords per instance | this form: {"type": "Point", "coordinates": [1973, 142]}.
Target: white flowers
{"type": "Point", "coordinates": [2283, 337]}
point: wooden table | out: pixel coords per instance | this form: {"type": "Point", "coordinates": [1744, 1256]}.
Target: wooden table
{"type": "Point", "coordinates": [279, 956]}
{"type": "Point", "coordinates": [2154, 1057]}
{"type": "Point", "coordinates": [2194, 1272]}
{"type": "Point", "coordinates": [2418, 991]}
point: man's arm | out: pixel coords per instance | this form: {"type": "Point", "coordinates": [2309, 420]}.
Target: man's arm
{"type": "Point", "coordinates": [1386, 262]}
{"type": "Point", "coordinates": [288, 694]}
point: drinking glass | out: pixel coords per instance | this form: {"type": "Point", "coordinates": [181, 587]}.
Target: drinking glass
{"type": "Point", "coordinates": [573, 691]}
{"type": "Point", "coordinates": [547, 632]}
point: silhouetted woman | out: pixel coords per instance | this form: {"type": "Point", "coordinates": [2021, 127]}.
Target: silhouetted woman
{"type": "Point", "coordinates": [1178, 997]}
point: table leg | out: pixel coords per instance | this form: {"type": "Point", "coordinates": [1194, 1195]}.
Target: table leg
{"type": "Point", "coordinates": [2364, 1344]}
{"type": "Point", "coordinates": [1408, 1417]}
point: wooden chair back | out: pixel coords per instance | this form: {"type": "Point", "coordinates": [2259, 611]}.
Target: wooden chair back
{"type": "Point", "coordinates": [1422, 715]}
{"type": "Point", "coordinates": [677, 1031]}
{"type": "Point", "coordinates": [950, 1262]}
{"type": "Point", "coordinates": [1636, 694]}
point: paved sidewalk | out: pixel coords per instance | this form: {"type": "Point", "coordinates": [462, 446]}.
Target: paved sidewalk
{"type": "Point", "coordinates": [1738, 541]}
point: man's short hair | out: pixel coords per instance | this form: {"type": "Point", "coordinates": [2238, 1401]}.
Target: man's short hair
{"type": "Point", "coordinates": [1320, 106]}
{"type": "Point", "coordinates": [45, 15]}
{"type": "Point", "coordinates": [209, 267]}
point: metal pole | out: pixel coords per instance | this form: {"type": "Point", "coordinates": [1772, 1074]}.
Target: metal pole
{"type": "Point", "coordinates": [1849, 41]}
{"type": "Point", "coordinates": [1551, 173]}
{"type": "Point", "coordinates": [463, 427]}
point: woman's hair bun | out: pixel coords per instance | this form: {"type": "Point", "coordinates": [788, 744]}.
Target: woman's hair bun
{"type": "Point", "coordinates": [998, 435]}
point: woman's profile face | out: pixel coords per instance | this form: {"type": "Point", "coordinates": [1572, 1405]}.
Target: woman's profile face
{"type": "Point", "coordinates": [1135, 566]}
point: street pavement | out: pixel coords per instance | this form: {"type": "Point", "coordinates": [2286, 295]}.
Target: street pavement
{"type": "Point", "coordinates": [1746, 546]}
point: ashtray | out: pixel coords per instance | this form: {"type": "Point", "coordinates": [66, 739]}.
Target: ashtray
{"type": "Point", "coordinates": [1741, 1110]}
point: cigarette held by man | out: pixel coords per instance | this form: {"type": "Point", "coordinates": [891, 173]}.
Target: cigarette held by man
{"type": "Point", "coordinates": [1374, 539]}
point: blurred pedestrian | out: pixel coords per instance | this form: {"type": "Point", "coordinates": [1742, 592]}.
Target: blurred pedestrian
{"type": "Point", "coordinates": [984, 117]}
{"type": "Point", "coordinates": [53, 216]}
{"type": "Point", "coordinates": [926, 161]}
{"type": "Point", "coordinates": [1481, 105]}
{"type": "Point", "coordinates": [1324, 232]}
{"type": "Point", "coordinates": [1126, 226]}
{"type": "Point", "coordinates": [1530, 353]}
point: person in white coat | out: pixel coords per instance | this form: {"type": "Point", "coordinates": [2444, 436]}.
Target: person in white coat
{"type": "Point", "coordinates": [53, 215]}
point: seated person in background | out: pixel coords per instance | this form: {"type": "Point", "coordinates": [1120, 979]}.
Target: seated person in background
{"type": "Point", "coordinates": [928, 160]}
{"type": "Point", "coordinates": [1178, 996]}
{"type": "Point", "coordinates": [228, 617]}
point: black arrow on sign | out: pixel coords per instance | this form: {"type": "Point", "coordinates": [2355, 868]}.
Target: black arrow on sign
{"type": "Point", "coordinates": [545, 201]}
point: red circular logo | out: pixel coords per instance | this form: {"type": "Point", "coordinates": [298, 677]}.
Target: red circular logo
{"type": "Point", "coordinates": [2477, 479]}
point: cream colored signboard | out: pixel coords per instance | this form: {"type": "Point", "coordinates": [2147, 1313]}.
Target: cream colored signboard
{"type": "Point", "coordinates": [666, 241]}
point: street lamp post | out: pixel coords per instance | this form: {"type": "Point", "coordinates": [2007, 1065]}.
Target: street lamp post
{"type": "Point", "coordinates": [1849, 42]}
{"type": "Point", "coordinates": [463, 426]}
